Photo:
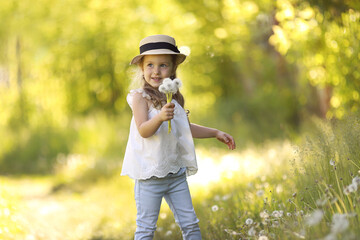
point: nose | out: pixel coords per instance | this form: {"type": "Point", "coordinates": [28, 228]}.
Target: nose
{"type": "Point", "coordinates": [157, 70]}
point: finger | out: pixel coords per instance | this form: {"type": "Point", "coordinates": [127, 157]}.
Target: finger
{"type": "Point", "coordinates": [170, 105]}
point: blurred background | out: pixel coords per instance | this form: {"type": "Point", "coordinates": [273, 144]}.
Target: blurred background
{"type": "Point", "coordinates": [261, 70]}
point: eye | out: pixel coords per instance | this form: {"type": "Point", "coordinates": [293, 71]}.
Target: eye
{"type": "Point", "coordinates": [149, 65]}
{"type": "Point", "coordinates": [163, 65]}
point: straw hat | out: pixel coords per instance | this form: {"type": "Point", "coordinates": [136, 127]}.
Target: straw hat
{"type": "Point", "coordinates": [156, 45]}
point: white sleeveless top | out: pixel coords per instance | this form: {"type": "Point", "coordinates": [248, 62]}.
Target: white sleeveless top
{"type": "Point", "coordinates": [162, 153]}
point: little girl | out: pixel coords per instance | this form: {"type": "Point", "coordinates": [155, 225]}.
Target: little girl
{"type": "Point", "coordinates": [160, 161]}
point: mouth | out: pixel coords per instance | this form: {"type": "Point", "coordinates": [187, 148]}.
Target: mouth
{"type": "Point", "coordinates": [156, 79]}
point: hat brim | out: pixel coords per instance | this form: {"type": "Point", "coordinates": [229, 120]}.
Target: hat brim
{"type": "Point", "coordinates": [179, 58]}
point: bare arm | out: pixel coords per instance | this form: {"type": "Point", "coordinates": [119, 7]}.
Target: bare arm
{"type": "Point", "coordinates": [198, 131]}
{"type": "Point", "coordinates": [147, 127]}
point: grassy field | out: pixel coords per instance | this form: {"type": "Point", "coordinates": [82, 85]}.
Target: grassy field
{"type": "Point", "coordinates": [280, 190]}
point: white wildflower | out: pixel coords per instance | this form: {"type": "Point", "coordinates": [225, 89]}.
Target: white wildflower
{"type": "Point", "coordinates": [177, 82]}
{"type": "Point", "coordinates": [260, 193]}
{"type": "Point", "coordinates": [249, 221]}
{"type": "Point", "coordinates": [215, 208]}
{"type": "Point", "coordinates": [169, 86]}
{"type": "Point", "coordinates": [356, 181]}
{"type": "Point", "coordinates": [288, 214]}
{"type": "Point", "coordinates": [264, 214]}
{"type": "Point", "coordinates": [321, 202]}
{"type": "Point", "coordinates": [339, 223]}
{"type": "Point", "coordinates": [162, 88]}
{"type": "Point", "coordinates": [277, 214]}
{"type": "Point", "coordinates": [252, 232]}
{"type": "Point", "coordinates": [314, 218]}
{"type": "Point", "coordinates": [350, 189]}
{"type": "Point", "coordinates": [332, 162]}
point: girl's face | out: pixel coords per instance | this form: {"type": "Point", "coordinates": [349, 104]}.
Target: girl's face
{"type": "Point", "coordinates": [156, 68]}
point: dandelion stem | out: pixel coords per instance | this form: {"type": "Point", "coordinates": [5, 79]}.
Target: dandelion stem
{"type": "Point", "coordinates": [168, 100]}
{"type": "Point", "coordinates": [354, 164]}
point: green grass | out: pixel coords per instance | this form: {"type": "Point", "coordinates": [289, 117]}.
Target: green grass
{"type": "Point", "coordinates": [280, 186]}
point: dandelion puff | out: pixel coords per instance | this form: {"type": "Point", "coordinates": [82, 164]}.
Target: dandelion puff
{"type": "Point", "coordinates": [252, 232]}
{"type": "Point", "coordinates": [249, 221]}
{"type": "Point", "coordinates": [264, 214]}
{"type": "Point", "coordinates": [263, 238]}
{"type": "Point", "coordinates": [339, 223]}
{"type": "Point", "coordinates": [350, 189]}
{"type": "Point", "coordinates": [276, 214]}
{"type": "Point", "coordinates": [260, 193]}
{"type": "Point", "coordinates": [321, 202]}
{"type": "Point", "coordinates": [356, 181]}
{"type": "Point", "coordinates": [162, 88]}
{"type": "Point", "coordinates": [215, 208]}
{"type": "Point", "coordinates": [177, 82]}
{"type": "Point", "coordinates": [314, 218]}
{"type": "Point", "coordinates": [332, 162]}
{"type": "Point", "coordinates": [226, 197]}
{"type": "Point", "coordinates": [346, 190]}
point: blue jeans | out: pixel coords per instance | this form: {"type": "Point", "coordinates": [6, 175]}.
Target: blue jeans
{"type": "Point", "coordinates": [175, 190]}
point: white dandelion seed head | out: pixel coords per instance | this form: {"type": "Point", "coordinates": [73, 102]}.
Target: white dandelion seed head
{"type": "Point", "coordinates": [263, 237]}
{"type": "Point", "coordinates": [353, 187]}
{"type": "Point", "coordinates": [350, 189]}
{"type": "Point", "coordinates": [168, 86]}
{"type": "Point", "coordinates": [339, 223]}
{"type": "Point", "coordinates": [162, 88]}
{"type": "Point", "coordinates": [332, 162]}
{"type": "Point", "coordinates": [356, 181]}
{"type": "Point", "coordinates": [314, 218]}
{"type": "Point", "coordinates": [260, 193]}
{"type": "Point", "coordinates": [321, 202]}
{"type": "Point", "coordinates": [346, 190]}
{"type": "Point", "coordinates": [276, 214]}
{"type": "Point", "coordinates": [264, 214]}
{"type": "Point", "coordinates": [249, 221]}
{"type": "Point", "coordinates": [252, 232]}
{"type": "Point", "coordinates": [215, 208]}
{"type": "Point", "coordinates": [178, 82]}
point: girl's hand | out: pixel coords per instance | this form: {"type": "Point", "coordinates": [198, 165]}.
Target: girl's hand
{"type": "Point", "coordinates": [226, 138]}
{"type": "Point", "coordinates": [167, 112]}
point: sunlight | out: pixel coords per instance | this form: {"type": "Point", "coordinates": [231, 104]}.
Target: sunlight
{"type": "Point", "coordinates": [215, 167]}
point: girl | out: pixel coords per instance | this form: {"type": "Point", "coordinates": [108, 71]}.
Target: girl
{"type": "Point", "coordinates": [159, 161]}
